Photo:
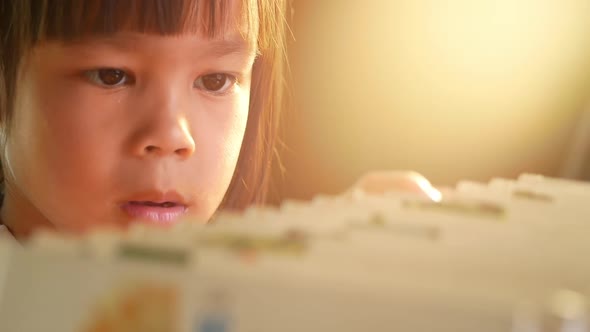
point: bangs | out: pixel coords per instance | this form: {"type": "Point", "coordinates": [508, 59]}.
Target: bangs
{"type": "Point", "coordinates": [74, 19]}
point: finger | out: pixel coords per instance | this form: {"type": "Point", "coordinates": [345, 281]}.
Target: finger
{"type": "Point", "coordinates": [380, 182]}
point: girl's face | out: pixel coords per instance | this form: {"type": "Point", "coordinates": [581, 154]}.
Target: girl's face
{"type": "Point", "coordinates": [133, 126]}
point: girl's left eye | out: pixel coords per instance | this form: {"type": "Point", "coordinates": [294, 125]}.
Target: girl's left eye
{"type": "Point", "coordinates": [109, 77]}
{"type": "Point", "coordinates": [216, 83]}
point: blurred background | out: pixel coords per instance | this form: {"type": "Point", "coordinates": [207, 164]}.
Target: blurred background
{"type": "Point", "coordinates": [453, 89]}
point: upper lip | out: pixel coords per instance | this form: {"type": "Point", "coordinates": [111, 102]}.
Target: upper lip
{"type": "Point", "coordinates": [158, 197]}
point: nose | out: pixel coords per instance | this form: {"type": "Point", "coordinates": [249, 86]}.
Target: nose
{"type": "Point", "coordinates": [164, 129]}
{"type": "Point", "coordinates": [172, 138]}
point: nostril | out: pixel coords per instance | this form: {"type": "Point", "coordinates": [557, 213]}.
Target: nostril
{"type": "Point", "coordinates": [151, 148]}
{"type": "Point", "coordinates": [163, 150]}
{"type": "Point", "coordinates": [182, 151]}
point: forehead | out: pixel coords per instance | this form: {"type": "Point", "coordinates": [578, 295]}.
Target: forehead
{"type": "Point", "coordinates": [194, 45]}
{"type": "Point", "coordinates": [73, 21]}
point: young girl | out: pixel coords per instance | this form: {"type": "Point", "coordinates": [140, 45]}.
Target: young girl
{"type": "Point", "coordinates": [154, 110]}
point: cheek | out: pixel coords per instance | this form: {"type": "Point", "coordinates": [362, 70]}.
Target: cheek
{"type": "Point", "coordinates": [218, 136]}
{"type": "Point", "coordinates": [59, 153]}
{"type": "Point", "coordinates": [236, 129]}
{"type": "Point", "coordinates": [70, 137]}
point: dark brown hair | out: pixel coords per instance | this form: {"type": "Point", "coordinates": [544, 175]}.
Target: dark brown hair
{"type": "Point", "coordinates": [25, 23]}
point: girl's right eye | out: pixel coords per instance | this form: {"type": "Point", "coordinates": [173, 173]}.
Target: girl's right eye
{"type": "Point", "coordinates": [109, 77]}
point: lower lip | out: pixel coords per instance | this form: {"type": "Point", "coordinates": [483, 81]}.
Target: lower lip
{"type": "Point", "coordinates": [156, 214]}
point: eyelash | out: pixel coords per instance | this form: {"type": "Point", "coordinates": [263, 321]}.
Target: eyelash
{"type": "Point", "coordinates": [123, 78]}
{"type": "Point", "coordinates": [94, 77]}
{"type": "Point", "coordinates": [230, 82]}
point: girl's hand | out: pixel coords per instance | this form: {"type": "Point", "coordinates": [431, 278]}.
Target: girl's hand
{"type": "Point", "coordinates": [379, 182]}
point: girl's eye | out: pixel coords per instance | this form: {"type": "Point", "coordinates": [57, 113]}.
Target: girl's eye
{"type": "Point", "coordinates": [216, 83]}
{"type": "Point", "coordinates": [108, 77]}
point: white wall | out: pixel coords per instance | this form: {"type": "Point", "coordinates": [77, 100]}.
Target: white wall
{"type": "Point", "coordinates": [455, 89]}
